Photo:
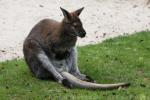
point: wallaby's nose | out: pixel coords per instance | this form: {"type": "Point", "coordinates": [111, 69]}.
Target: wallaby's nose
{"type": "Point", "coordinates": [82, 34]}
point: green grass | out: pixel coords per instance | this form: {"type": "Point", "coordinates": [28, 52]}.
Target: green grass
{"type": "Point", "coordinates": [122, 59]}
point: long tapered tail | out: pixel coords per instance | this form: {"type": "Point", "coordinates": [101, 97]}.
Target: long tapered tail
{"type": "Point", "coordinates": [88, 85]}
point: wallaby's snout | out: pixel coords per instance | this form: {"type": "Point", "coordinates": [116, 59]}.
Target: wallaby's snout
{"type": "Point", "coordinates": [82, 34]}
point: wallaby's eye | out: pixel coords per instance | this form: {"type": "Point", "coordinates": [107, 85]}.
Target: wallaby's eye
{"type": "Point", "coordinates": [75, 24]}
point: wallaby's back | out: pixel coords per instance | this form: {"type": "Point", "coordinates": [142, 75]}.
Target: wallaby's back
{"type": "Point", "coordinates": [44, 28]}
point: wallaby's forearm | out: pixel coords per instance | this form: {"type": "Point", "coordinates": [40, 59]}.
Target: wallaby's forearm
{"type": "Point", "coordinates": [83, 84]}
{"type": "Point", "coordinates": [74, 67]}
{"type": "Point", "coordinates": [49, 66]}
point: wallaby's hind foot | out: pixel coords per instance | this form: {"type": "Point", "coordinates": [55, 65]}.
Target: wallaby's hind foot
{"type": "Point", "coordinates": [83, 77]}
{"type": "Point", "coordinates": [88, 85]}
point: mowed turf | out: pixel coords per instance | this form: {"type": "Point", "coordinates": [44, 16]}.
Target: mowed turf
{"type": "Point", "coordinates": [121, 59]}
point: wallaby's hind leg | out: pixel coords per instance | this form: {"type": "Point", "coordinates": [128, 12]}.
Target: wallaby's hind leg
{"type": "Point", "coordinates": [35, 66]}
{"type": "Point", "coordinates": [38, 61]}
{"type": "Point", "coordinates": [40, 72]}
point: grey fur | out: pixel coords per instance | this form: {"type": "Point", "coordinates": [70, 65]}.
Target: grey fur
{"type": "Point", "coordinates": [48, 64]}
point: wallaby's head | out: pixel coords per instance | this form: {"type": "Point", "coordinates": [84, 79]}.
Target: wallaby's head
{"type": "Point", "coordinates": [72, 22]}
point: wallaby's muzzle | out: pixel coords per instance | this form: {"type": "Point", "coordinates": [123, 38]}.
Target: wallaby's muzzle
{"type": "Point", "coordinates": [82, 33]}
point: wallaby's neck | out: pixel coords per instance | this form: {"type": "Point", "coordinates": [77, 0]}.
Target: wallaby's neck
{"type": "Point", "coordinates": [65, 38]}
{"type": "Point", "coordinates": [66, 35]}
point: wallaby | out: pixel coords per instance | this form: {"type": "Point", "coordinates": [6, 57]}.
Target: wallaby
{"type": "Point", "coordinates": [50, 52]}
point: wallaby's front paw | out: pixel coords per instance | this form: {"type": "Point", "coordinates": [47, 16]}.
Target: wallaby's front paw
{"type": "Point", "coordinates": [84, 77]}
{"type": "Point", "coordinates": [89, 79]}
{"type": "Point", "coordinates": [66, 83]}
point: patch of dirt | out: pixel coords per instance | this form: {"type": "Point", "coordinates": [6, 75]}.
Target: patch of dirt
{"type": "Point", "coordinates": [102, 19]}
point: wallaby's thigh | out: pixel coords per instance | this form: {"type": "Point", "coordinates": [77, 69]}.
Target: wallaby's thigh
{"type": "Point", "coordinates": [31, 50]}
{"type": "Point", "coordinates": [37, 68]}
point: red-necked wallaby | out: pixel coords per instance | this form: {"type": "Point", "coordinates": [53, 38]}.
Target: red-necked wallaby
{"type": "Point", "coordinates": [50, 52]}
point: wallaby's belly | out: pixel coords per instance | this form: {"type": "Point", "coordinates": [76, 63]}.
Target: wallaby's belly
{"type": "Point", "coordinates": [60, 58]}
{"type": "Point", "coordinates": [60, 65]}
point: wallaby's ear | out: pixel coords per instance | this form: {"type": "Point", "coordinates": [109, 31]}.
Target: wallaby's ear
{"type": "Point", "coordinates": [65, 13]}
{"type": "Point", "coordinates": [78, 12]}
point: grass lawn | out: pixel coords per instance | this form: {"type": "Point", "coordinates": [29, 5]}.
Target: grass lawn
{"type": "Point", "coordinates": [122, 59]}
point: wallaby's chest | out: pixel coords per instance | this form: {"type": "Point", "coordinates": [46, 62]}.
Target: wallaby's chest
{"type": "Point", "coordinates": [58, 53]}
{"type": "Point", "coordinates": [61, 54]}
{"type": "Point", "coordinates": [61, 49]}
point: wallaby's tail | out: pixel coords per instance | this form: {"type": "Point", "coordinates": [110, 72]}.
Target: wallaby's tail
{"type": "Point", "coordinates": [88, 85]}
